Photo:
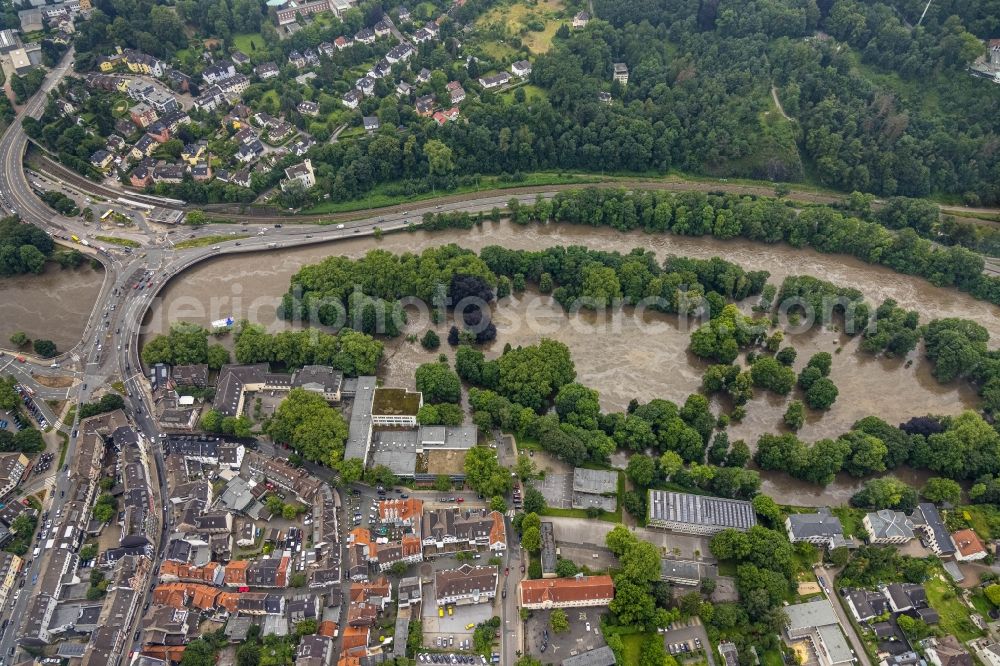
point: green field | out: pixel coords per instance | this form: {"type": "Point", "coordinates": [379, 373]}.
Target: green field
{"type": "Point", "coordinates": [954, 614]}
{"type": "Point", "coordinates": [531, 93]}
{"type": "Point", "coordinates": [243, 40]}
{"type": "Point", "coordinates": [124, 242]}
{"type": "Point", "coordinates": [850, 519]}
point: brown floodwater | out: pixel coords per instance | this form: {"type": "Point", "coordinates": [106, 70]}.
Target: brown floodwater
{"type": "Point", "coordinates": [625, 354]}
{"type": "Point", "coordinates": [54, 305]}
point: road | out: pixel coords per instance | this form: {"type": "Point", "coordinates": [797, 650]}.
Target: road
{"type": "Point", "coordinates": [108, 349]}
{"type": "Point", "coordinates": [845, 621]}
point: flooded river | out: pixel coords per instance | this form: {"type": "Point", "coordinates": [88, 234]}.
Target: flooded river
{"type": "Point", "coordinates": [54, 305]}
{"type": "Point", "coordinates": [626, 355]}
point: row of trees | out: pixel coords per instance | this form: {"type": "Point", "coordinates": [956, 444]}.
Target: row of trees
{"type": "Point", "coordinates": [960, 448]}
{"type": "Point", "coordinates": [771, 221]}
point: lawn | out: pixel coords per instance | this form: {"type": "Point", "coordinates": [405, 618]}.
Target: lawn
{"type": "Point", "coordinates": [954, 614]}
{"type": "Point", "coordinates": [243, 41]}
{"type": "Point", "coordinates": [615, 517]}
{"type": "Point", "coordinates": [983, 518]}
{"type": "Point", "coordinates": [772, 658]}
{"type": "Point", "coordinates": [727, 567]}
{"type": "Point", "coordinates": [633, 647]}
{"type": "Point", "coordinates": [124, 242]}
{"type": "Point", "coordinates": [531, 93]}
{"type": "Point", "coordinates": [850, 519]}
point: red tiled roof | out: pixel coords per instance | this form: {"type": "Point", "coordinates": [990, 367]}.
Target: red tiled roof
{"type": "Point", "coordinates": [565, 590]}
{"type": "Point", "coordinates": [236, 572]}
{"type": "Point", "coordinates": [968, 542]}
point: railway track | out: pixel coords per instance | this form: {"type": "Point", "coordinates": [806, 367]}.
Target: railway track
{"type": "Point", "coordinates": [47, 165]}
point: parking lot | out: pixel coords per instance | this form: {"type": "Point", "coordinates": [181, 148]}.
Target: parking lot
{"type": "Point", "coordinates": [452, 627]}
{"type": "Point", "coordinates": [687, 639]}
{"type": "Point", "coordinates": [584, 634]}
{"type": "Point", "coordinates": [557, 490]}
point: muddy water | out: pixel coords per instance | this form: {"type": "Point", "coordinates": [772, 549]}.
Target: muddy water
{"type": "Point", "coordinates": [53, 305]}
{"type": "Point", "coordinates": [627, 355]}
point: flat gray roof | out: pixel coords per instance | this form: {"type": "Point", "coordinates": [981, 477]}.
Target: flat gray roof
{"type": "Point", "coordinates": [396, 449]}
{"type": "Point", "coordinates": [595, 481]}
{"type": "Point", "coordinates": [359, 435]}
{"type": "Point", "coordinates": [602, 656]}
{"type": "Point", "coordinates": [820, 617]}
{"type": "Point", "coordinates": [700, 510]}
{"type": "Point", "coordinates": [679, 569]}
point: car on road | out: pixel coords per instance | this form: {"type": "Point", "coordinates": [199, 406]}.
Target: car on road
{"type": "Point", "coordinates": [340, 226]}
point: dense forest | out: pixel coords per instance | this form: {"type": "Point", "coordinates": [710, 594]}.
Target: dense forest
{"type": "Point", "coordinates": [23, 247]}
{"type": "Point", "coordinates": [872, 103]}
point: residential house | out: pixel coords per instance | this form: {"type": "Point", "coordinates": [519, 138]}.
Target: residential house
{"type": "Point", "coordinates": [192, 153]}
{"type": "Point", "coordinates": [351, 99]}
{"type": "Point", "coordinates": [366, 84]}
{"type": "Point", "coordinates": [235, 86]}
{"type": "Point", "coordinates": [446, 116]}
{"type": "Point", "coordinates": [887, 526]}
{"type": "Point", "coordinates": [866, 605]}
{"type": "Point", "coordinates": [143, 115]}
{"type": "Point", "coordinates": [424, 75]}
{"type": "Point", "coordinates": [307, 108]}
{"type": "Point", "coordinates": [425, 105]}
{"type": "Point", "coordinates": [410, 592]}
{"type": "Point", "coordinates": [947, 651]}
{"type": "Point", "coordinates": [296, 59]}
{"type": "Point", "coordinates": [144, 147]}
{"type": "Point", "coordinates": [495, 81]}
{"type": "Point", "coordinates": [403, 14]}
{"type": "Point", "coordinates": [10, 567]}
{"type": "Point", "coordinates": [521, 69]}
{"type": "Point", "coordinates": [927, 520]}
{"type": "Point", "coordinates": [456, 92]}
{"type": "Point", "coordinates": [968, 546]}
{"type": "Point", "coordinates": [218, 72]}
{"type": "Point", "coordinates": [581, 20]}
{"type": "Point", "coordinates": [101, 159]}
{"type": "Point", "coordinates": [988, 650]}
{"type": "Point", "coordinates": [422, 35]}
{"type": "Point", "coordinates": [326, 49]}
{"type": "Point", "coordinates": [577, 592]}
{"type": "Point", "coordinates": [620, 73]}
{"type": "Point", "coordinates": [314, 651]}
{"type": "Point", "coordinates": [267, 70]}
{"type": "Point", "coordinates": [365, 36]}
{"type": "Point", "coordinates": [239, 58]}
{"type": "Point", "coordinates": [821, 528]}
{"type": "Point", "coordinates": [400, 53]}
{"type": "Point", "coordinates": [301, 173]}
{"type": "Point", "coordinates": [342, 43]}
{"type": "Point", "coordinates": [905, 596]}
{"type": "Point", "coordinates": [168, 173]}
{"type": "Point", "coordinates": [141, 177]}
{"type": "Point", "coordinates": [159, 131]}
{"type": "Point", "coordinates": [466, 585]}
{"type": "Point", "coordinates": [403, 89]}
{"type": "Point", "coordinates": [370, 123]}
